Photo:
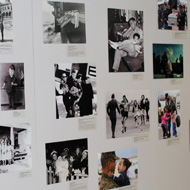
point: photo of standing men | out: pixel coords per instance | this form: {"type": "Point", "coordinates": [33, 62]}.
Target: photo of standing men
{"type": "Point", "coordinates": [172, 15]}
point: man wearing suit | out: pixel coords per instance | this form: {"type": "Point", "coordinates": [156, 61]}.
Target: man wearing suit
{"type": "Point", "coordinates": [111, 110]}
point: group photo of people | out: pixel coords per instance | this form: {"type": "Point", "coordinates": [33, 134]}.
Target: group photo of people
{"type": "Point", "coordinates": [12, 86]}
{"type": "Point", "coordinates": [66, 161]}
{"type": "Point", "coordinates": [117, 169]}
{"type": "Point", "coordinates": [169, 114]}
{"type": "Point", "coordinates": [15, 148]}
{"type": "Point", "coordinates": [168, 61]}
{"type": "Point", "coordinates": [125, 40]}
{"type": "Point", "coordinates": [75, 90]}
{"type": "Point", "coordinates": [63, 22]}
{"type": "Point", "coordinates": [127, 113]}
{"type": "Point", "coordinates": [172, 15]}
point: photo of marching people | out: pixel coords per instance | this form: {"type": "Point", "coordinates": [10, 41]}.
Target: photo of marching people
{"type": "Point", "coordinates": [12, 86]}
{"type": "Point", "coordinates": [125, 40]}
{"type": "Point", "coordinates": [167, 61]}
{"type": "Point", "coordinates": [15, 148]}
{"type": "Point", "coordinates": [127, 113]}
{"type": "Point", "coordinates": [172, 15]}
{"type": "Point", "coordinates": [75, 90]}
{"type": "Point", "coordinates": [66, 161]}
{"type": "Point", "coordinates": [117, 169]}
{"type": "Point", "coordinates": [6, 25]}
{"type": "Point", "coordinates": [169, 114]}
{"type": "Point", "coordinates": [63, 22]}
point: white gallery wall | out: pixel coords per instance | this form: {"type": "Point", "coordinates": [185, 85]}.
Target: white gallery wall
{"type": "Point", "coordinates": [162, 164]}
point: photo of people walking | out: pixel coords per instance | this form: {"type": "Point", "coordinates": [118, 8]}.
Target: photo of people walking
{"type": "Point", "coordinates": [75, 90]}
{"type": "Point", "coordinates": [117, 169]}
{"type": "Point", "coordinates": [66, 160]}
{"type": "Point", "coordinates": [172, 15]}
{"type": "Point", "coordinates": [169, 114]}
{"type": "Point", "coordinates": [127, 113]}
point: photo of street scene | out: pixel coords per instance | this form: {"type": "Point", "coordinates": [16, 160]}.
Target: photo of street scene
{"type": "Point", "coordinates": [118, 169]}
{"type": "Point", "coordinates": [172, 15]}
{"type": "Point", "coordinates": [128, 113]}
{"type": "Point", "coordinates": [169, 121]}
{"type": "Point", "coordinates": [168, 61]}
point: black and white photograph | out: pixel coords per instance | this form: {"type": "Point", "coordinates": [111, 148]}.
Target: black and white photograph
{"type": "Point", "coordinates": [75, 90]}
{"type": "Point", "coordinates": [118, 169]}
{"type": "Point", "coordinates": [128, 113]}
{"type": "Point", "coordinates": [15, 148]}
{"type": "Point", "coordinates": [125, 40]}
{"type": "Point", "coordinates": [169, 121]}
{"type": "Point", "coordinates": [168, 61]}
{"type": "Point", "coordinates": [63, 22]}
{"type": "Point", "coordinates": [6, 26]}
{"type": "Point", "coordinates": [172, 15]}
{"type": "Point", "coordinates": [12, 86]}
{"type": "Point", "coordinates": [66, 161]}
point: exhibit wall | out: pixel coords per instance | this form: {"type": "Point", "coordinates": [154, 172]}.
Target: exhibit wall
{"type": "Point", "coordinates": [88, 84]}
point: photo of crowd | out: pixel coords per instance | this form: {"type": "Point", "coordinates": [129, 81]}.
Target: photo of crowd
{"type": "Point", "coordinates": [125, 40]}
{"type": "Point", "coordinates": [15, 148]}
{"type": "Point", "coordinates": [167, 61]}
{"type": "Point", "coordinates": [12, 86]}
{"type": "Point", "coordinates": [127, 113]}
{"type": "Point", "coordinates": [63, 22]}
{"type": "Point", "coordinates": [75, 90]}
{"type": "Point", "coordinates": [169, 114]}
{"type": "Point", "coordinates": [66, 161]}
{"type": "Point", "coordinates": [117, 169]}
{"type": "Point", "coordinates": [172, 15]}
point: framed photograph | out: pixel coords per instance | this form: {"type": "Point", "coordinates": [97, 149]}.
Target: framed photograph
{"type": "Point", "coordinates": [12, 86]}
{"type": "Point", "coordinates": [169, 121]}
{"type": "Point", "coordinates": [75, 90]}
{"type": "Point", "coordinates": [15, 148]}
{"type": "Point", "coordinates": [172, 15]}
{"type": "Point", "coordinates": [6, 26]}
{"type": "Point", "coordinates": [117, 169]}
{"type": "Point", "coordinates": [127, 113]}
{"type": "Point", "coordinates": [63, 22]}
{"type": "Point", "coordinates": [167, 61]}
{"type": "Point", "coordinates": [125, 40]}
{"type": "Point", "coordinates": [66, 160]}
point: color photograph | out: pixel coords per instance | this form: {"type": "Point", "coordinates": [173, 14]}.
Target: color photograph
{"type": "Point", "coordinates": [168, 61]}
{"type": "Point", "coordinates": [125, 40]}
{"type": "Point", "coordinates": [117, 169]}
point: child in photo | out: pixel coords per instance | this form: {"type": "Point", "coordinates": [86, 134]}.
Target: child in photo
{"type": "Point", "coordinates": [123, 179]}
{"type": "Point", "coordinates": [163, 125]}
{"type": "Point", "coordinates": [136, 112]}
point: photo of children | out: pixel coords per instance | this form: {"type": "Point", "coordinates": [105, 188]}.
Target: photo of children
{"type": "Point", "coordinates": [66, 161]}
{"type": "Point", "coordinates": [127, 113]}
{"type": "Point", "coordinates": [117, 169]}
{"type": "Point", "coordinates": [167, 61]}
{"type": "Point", "coordinates": [12, 86]}
{"type": "Point", "coordinates": [169, 114]}
{"type": "Point", "coordinates": [75, 90]}
{"type": "Point", "coordinates": [63, 22]}
{"type": "Point", "coordinates": [125, 40]}
{"type": "Point", "coordinates": [172, 15]}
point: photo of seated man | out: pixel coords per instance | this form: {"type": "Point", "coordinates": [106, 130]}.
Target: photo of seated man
{"type": "Point", "coordinates": [125, 40]}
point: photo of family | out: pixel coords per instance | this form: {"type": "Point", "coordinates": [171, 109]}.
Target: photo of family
{"type": "Point", "coordinates": [125, 40]}
{"type": "Point", "coordinates": [66, 161]}
{"type": "Point", "coordinates": [63, 22]}
{"type": "Point", "coordinates": [169, 114]}
{"type": "Point", "coordinates": [127, 113]}
{"type": "Point", "coordinates": [12, 86]}
{"type": "Point", "coordinates": [167, 61]}
{"type": "Point", "coordinates": [6, 26]}
{"type": "Point", "coordinates": [15, 148]}
{"type": "Point", "coordinates": [75, 90]}
{"type": "Point", "coordinates": [172, 15]}
{"type": "Point", "coordinates": [117, 169]}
